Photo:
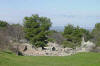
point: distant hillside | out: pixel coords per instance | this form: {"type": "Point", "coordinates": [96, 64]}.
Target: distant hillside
{"type": "Point", "coordinates": [58, 28]}
{"type": "Point", "coordinates": [61, 28]}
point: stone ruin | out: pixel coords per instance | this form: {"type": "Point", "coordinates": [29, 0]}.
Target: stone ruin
{"type": "Point", "coordinates": [86, 46]}
{"type": "Point", "coordinates": [54, 49]}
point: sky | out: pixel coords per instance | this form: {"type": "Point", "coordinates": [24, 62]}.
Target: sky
{"type": "Point", "coordinates": [84, 13]}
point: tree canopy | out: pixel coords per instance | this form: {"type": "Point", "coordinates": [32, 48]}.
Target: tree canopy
{"type": "Point", "coordinates": [96, 34]}
{"type": "Point", "coordinates": [73, 35]}
{"type": "Point", "coordinates": [36, 29]}
{"type": "Point", "coordinates": [3, 24]}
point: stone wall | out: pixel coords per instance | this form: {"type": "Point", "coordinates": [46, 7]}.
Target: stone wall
{"type": "Point", "coordinates": [54, 49]}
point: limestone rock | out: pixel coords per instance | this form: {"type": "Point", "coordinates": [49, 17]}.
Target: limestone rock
{"type": "Point", "coordinates": [87, 46]}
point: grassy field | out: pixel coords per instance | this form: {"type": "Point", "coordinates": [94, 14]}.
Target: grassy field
{"type": "Point", "coordinates": [81, 59]}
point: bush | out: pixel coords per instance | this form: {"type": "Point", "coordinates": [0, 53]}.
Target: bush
{"type": "Point", "coordinates": [67, 44]}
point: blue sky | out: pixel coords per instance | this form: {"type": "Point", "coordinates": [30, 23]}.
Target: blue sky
{"type": "Point", "coordinates": [84, 13]}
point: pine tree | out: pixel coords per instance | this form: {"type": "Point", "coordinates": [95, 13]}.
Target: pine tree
{"type": "Point", "coordinates": [36, 30]}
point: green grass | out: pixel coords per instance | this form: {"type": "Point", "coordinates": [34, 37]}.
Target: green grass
{"type": "Point", "coordinates": [80, 59]}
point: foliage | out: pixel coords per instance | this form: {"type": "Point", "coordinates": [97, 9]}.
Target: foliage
{"type": "Point", "coordinates": [73, 35]}
{"type": "Point", "coordinates": [4, 40]}
{"type": "Point", "coordinates": [3, 24]}
{"type": "Point", "coordinates": [51, 40]}
{"type": "Point", "coordinates": [96, 34]}
{"type": "Point", "coordinates": [36, 30]}
{"type": "Point", "coordinates": [67, 44]}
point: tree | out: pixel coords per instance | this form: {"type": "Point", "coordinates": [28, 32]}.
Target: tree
{"type": "Point", "coordinates": [3, 24]}
{"type": "Point", "coordinates": [16, 32]}
{"type": "Point", "coordinates": [96, 34]}
{"type": "Point", "coordinates": [73, 36]}
{"type": "Point", "coordinates": [36, 29]}
{"type": "Point", "coordinates": [4, 39]}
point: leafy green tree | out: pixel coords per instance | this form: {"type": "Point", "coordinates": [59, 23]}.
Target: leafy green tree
{"type": "Point", "coordinates": [3, 24]}
{"type": "Point", "coordinates": [96, 34]}
{"type": "Point", "coordinates": [74, 36]}
{"type": "Point", "coordinates": [36, 29]}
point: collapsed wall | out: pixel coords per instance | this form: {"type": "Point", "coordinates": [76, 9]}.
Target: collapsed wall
{"type": "Point", "coordinates": [54, 49]}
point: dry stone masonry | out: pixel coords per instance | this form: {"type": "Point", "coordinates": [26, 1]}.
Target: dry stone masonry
{"type": "Point", "coordinates": [54, 49]}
